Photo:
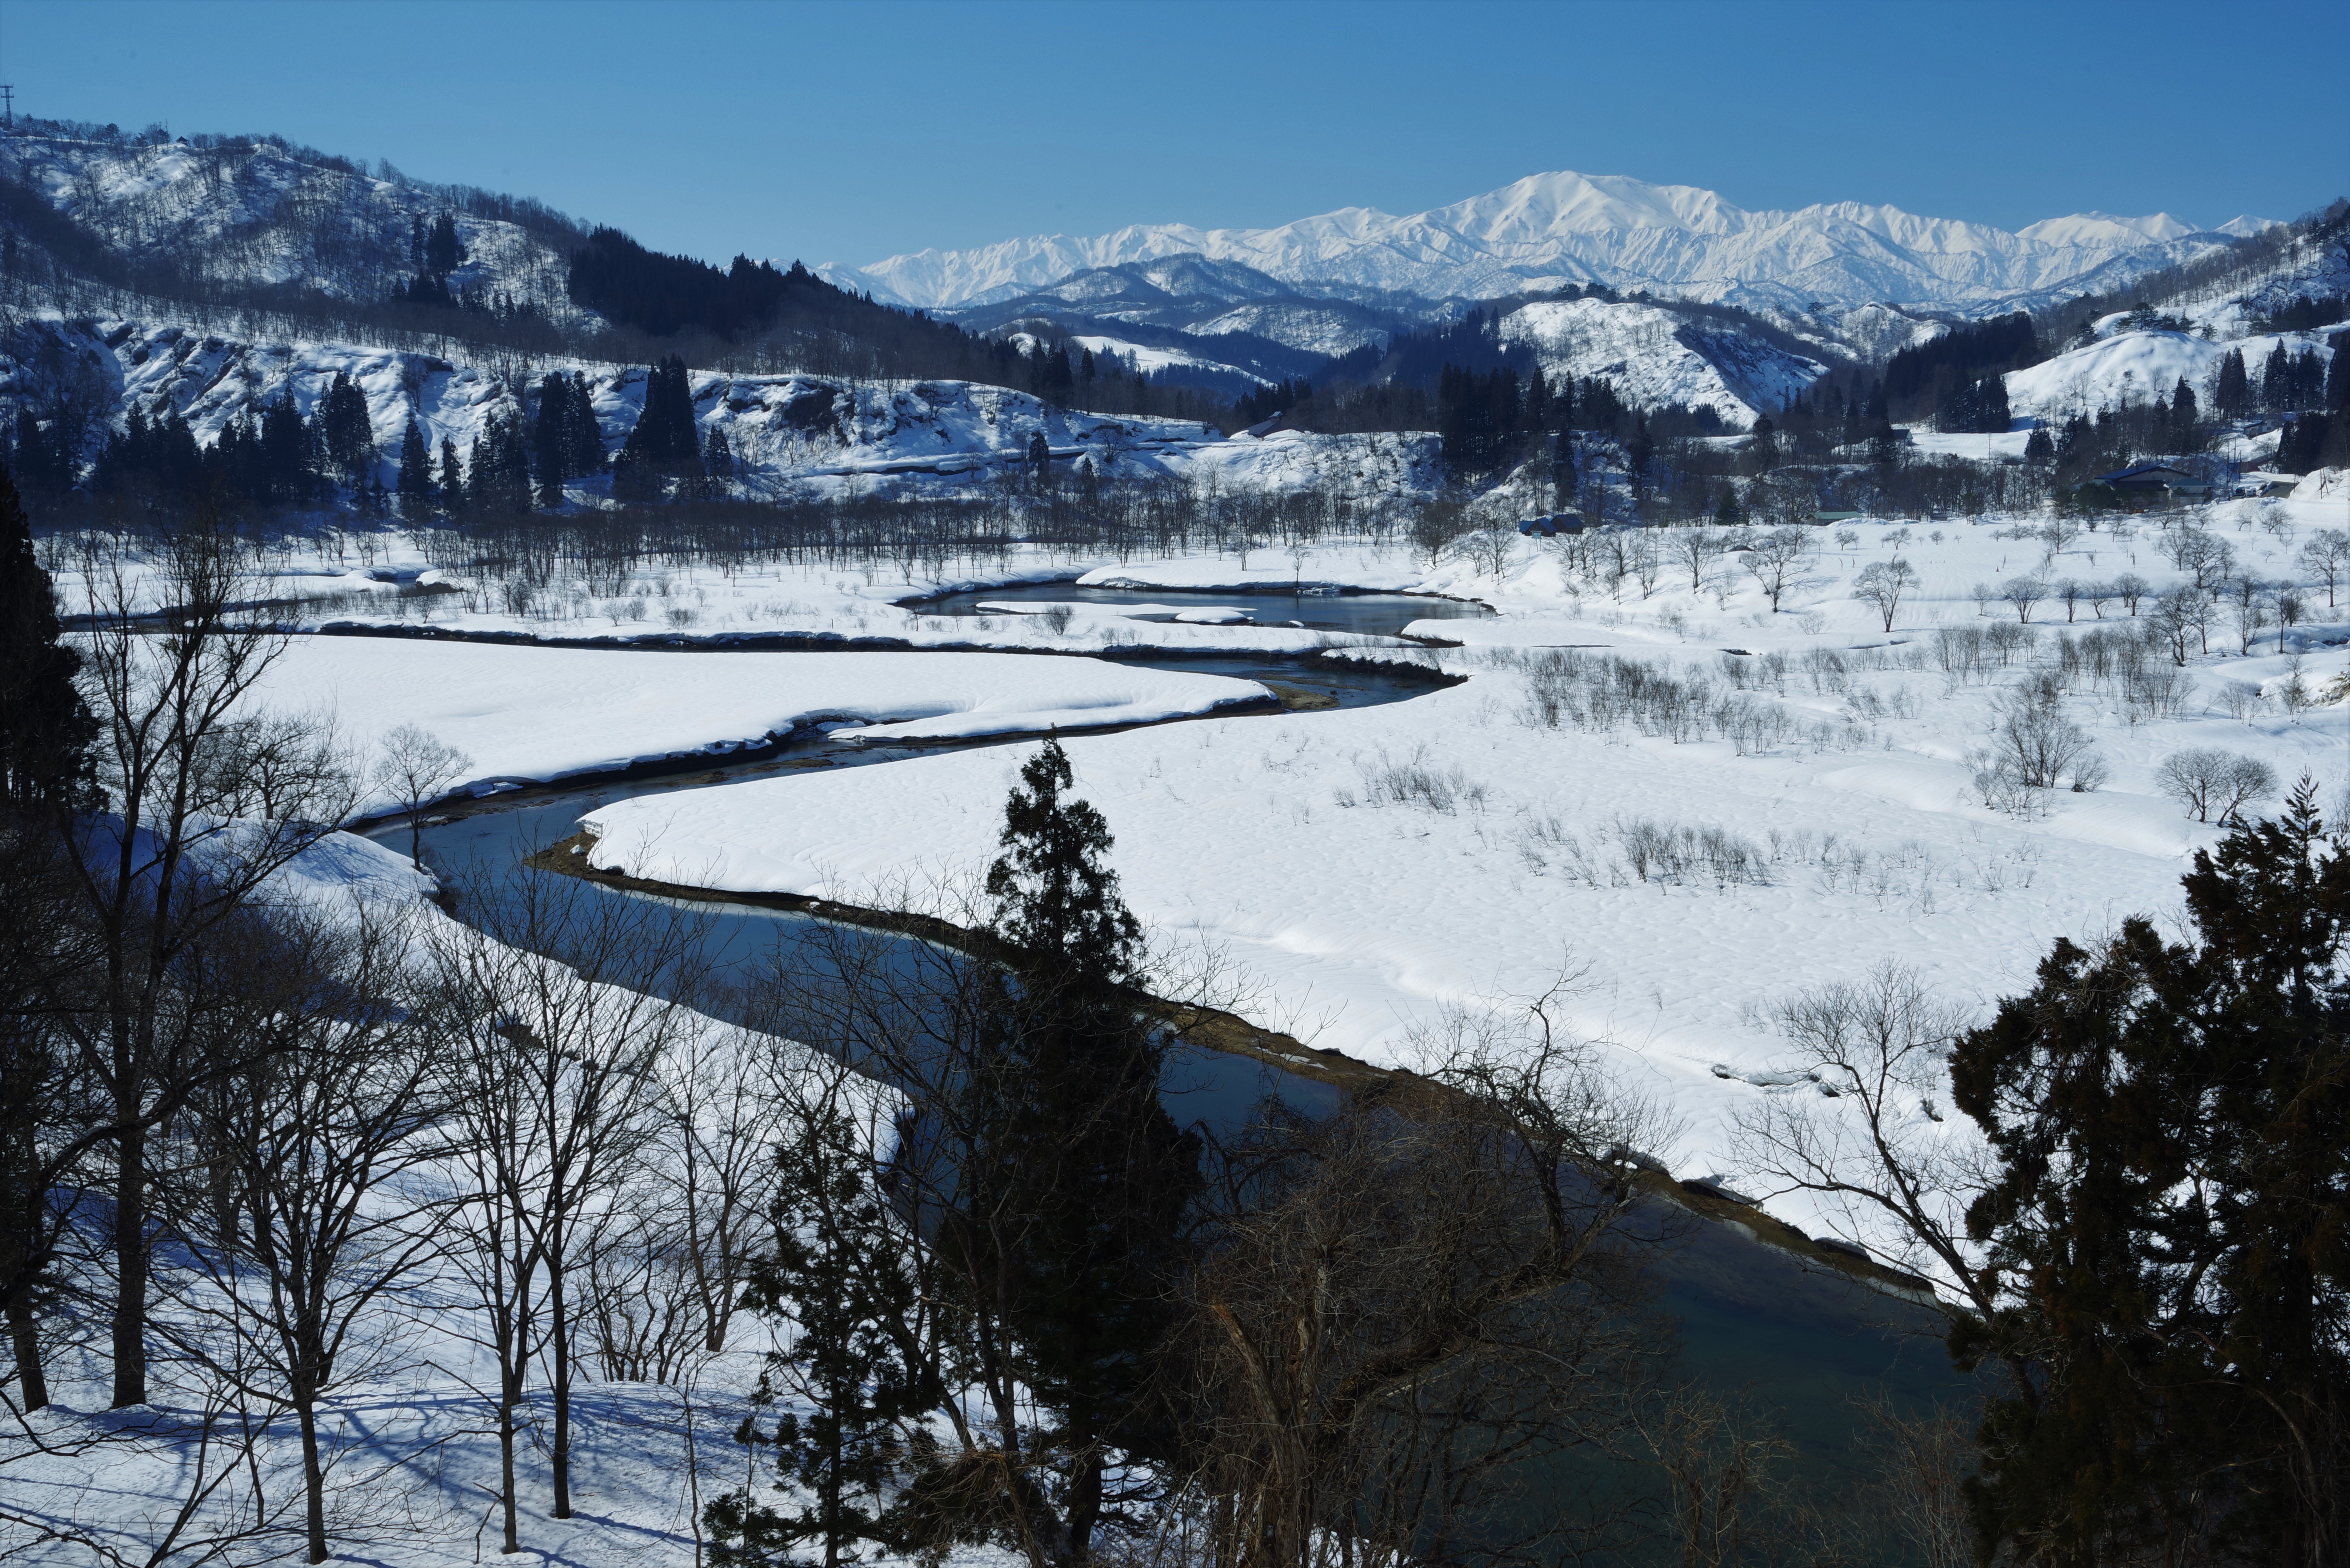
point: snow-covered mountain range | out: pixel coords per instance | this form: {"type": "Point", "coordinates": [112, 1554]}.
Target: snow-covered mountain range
{"type": "Point", "coordinates": [1550, 230]}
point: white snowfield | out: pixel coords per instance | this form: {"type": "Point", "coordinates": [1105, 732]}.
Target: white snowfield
{"type": "Point", "coordinates": [525, 714]}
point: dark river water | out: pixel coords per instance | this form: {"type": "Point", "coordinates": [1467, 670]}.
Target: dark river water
{"type": "Point", "coordinates": [1375, 615]}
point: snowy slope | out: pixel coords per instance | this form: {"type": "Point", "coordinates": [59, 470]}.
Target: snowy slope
{"type": "Point", "coordinates": [1190, 294]}
{"type": "Point", "coordinates": [2138, 367]}
{"type": "Point", "coordinates": [1654, 357]}
{"type": "Point", "coordinates": [254, 214]}
{"type": "Point", "coordinates": [1557, 228]}
{"type": "Point", "coordinates": [789, 433]}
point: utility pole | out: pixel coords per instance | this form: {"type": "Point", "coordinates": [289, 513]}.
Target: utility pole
{"type": "Point", "coordinates": [7, 105]}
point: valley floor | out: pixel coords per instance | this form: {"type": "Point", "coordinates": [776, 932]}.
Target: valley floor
{"type": "Point", "coordinates": [1370, 874]}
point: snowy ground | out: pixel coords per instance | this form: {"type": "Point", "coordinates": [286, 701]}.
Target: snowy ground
{"type": "Point", "coordinates": [1367, 868]}
{"type": "Point", "coordinates": [536, 714]}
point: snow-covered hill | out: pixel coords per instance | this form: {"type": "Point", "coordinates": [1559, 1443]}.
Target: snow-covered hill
{"type": "Point", "coordinates": [250, 215]}
{"type": "Point", "coordinates": [1548, 230]}
{"type": "Point", "coordinates": [2140, 368]}
{"type": "Point", "coordinates": [790, 434]}
{"type": "Point", "coordinates": [1190, 294]}
{"type": "Point", "coordinates": [1653, 355]}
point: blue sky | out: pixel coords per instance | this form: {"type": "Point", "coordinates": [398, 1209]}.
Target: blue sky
{"type": "Point", "coordinates": [851, 132]}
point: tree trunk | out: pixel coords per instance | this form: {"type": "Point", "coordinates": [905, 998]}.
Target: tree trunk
{"type": "Point", "coordinates": [313, 1482]}
{"type": "Point", "coordinates": [131, 1263]}
{"type": "Point", "coordinates": [560, 1342]}
{"type": "Point", "coordinates": [509, 1396]}
{"type": "Point", "coordinates": [25, 1339]}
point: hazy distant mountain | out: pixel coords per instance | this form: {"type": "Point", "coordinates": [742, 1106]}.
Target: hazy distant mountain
{"type": "Point", "coordinates": [1548, 230]}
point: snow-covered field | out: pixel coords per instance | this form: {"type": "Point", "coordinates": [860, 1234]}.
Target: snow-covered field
{"type": "Point", "coordinates": [1374, 867]}
{"type": "Point", "coordinates": [539, 713]}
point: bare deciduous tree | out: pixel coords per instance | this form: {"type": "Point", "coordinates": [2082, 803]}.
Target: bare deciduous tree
{"type": "Point", "coordinates": [1412, 1304]}
{"type": "Point", "coordinates": [1883, 583]}
{"type": "Point", "coordinates": [2213, 782]}
{"type": "Point", "coordinates": [555, 1015]}
{"type": "Point", "coordinates": [1777, 559]}
{"type": "Point", "coordinates": [413, 766]}
{"type": "Point", "coordinates": [1696, 548]}
{"type": "Point", "coordinates": [2022, 594]}
{"type": "Point", "coordinates": [171, 867]}
{"type": "Point", "coordinates": [318, 1231]}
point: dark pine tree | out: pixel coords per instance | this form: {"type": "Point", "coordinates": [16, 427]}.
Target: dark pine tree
{"type": "Point", "coordinates": [45, 729]}
{"type": "Point", "coordinates": [442, 251]}
{"type": "Point", "coordinates": [718, 461]}
{"type": "Point", "coordinates": [2232, 397]}
{"type": "Point", "coordinates": [453, 479]}
{"type": "Point", "coordinates": [2276, 381]}
{"type": "Point", "coordinates": [583, 443]}
{"type": "Point", "coordinates": [2170, 1123]}
{"type": "Point", "coordinates": [664, 447]}
{"type": "Point", "coordinates": [1080, 1146]}
{"type": "Point", "coordinates": [415, 474]}
{"type": "Point", "coordinates": [551, 438]}
{"type": "Point", "coordinates": [840, 1274]}
{"type": "Point", "coordinates": [288, 458]}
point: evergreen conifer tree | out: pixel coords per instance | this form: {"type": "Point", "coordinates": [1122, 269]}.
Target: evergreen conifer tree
{"type": "Point", "coordinates": [2231, 396]}
{"type": "Point", "coordinates": [1081, 1146]}
{"type": "Point", "coordinates": [584, 446]}
{"type": "Point", "coordinates": [442, 251]}
{"type": "Point", "coordinates": [551, 437]}
{"type": "Point", "coordinates": [453, 479]}
{"type": "Point", "coordinates": [2171, 1127]}
{"type": "Point", "coordinates": [2276, 381]}
{"type": "Point", "coordinates": [415, 474]}
{"type": "Point", "coordinates": [840, 1274]}
{"type": "Point", "coordinates": [664, 446]}
{"type": "Point", "coordinates": [718, 460]}
{"type": "Point", "coordinates": [45, 729]}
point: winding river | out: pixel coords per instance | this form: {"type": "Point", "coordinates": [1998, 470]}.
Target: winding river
{"type": "Point", "coordinates": [1761, 1312]}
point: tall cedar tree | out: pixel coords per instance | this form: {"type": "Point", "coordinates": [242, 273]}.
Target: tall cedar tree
{"type": "Point", "coordinates": [47, 775]}
{"type": "Point", "coordinates": [1081, 1146]}
{"type": "Point", "coordinates": [840, 1274]}
{"type": "Point", "coordinates": [415, 473]}
{"type": "Point", "coordinates": [45, 729]}
{"type": "Point", "coordinates": [551, 438]}
{"type": "Point", "coordinates": [664, 446]}
{"type": "Point", "coordinates": [2171, 1123]}
{"type": "Point", "coordinates": [345, 434]}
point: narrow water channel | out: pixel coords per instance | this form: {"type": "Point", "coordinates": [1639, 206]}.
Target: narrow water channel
{"type": "Point", "coordinates": [1367, 614]}
{"type": "Point", "coordinates": [480, 841]}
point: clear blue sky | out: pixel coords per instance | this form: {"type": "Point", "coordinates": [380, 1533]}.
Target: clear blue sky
{"type": "Point", "coordinates": [851, 132]}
